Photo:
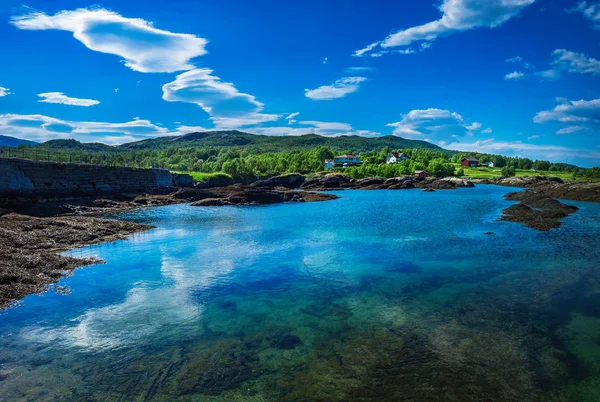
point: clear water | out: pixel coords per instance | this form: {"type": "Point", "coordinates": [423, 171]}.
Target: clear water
{"type": "Point", "coordinates": [380, 295]}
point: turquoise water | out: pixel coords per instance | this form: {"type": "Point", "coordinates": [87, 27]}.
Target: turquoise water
{"type": "Point", "coordinates": [380, 295]}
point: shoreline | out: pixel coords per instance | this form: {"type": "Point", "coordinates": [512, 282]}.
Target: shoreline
{"type": "Point", "coordinates": [30, 245]}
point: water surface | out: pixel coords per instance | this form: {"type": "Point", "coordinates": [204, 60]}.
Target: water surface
{"type": "Point", "coordinates": [380, 295]}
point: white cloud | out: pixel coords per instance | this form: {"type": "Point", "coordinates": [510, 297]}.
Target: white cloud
{"type": "Point", "coordinates": [590, 10]}
{"type": "Point", "coordinates": [475, 126]}
{"type": "Point", "coordinates": [338, 89]}
{"type": "Point", "coordinates": [143, 47]}
{"type": "Point", "coordinates": [573, 62]}
{"type": "Point", "coordinates": [570, 130]}
{"type": "Point", "coordinates": [328, 129]}
{"type": "Point", "coordinates": [580, 111]}
{"type": "Point", "coordinates": [227, 107]}
{"type": "Point", "coordinates": [516, 59]}
{"type": "Point", "coordinates": [549, 75]}
{"type": "Point", "coordinates": [457, 15]}
{"type": "Point", "coordinates": [325, 60]}
{"type": "Point", "coordinates": [534, 137]}
{"type": "Point", "coordinates": [564, 60]}
{"type": "Point", "coordinates": [4, 91]}
{"type": "Point", "coordinates": [438, 124]}
{"type": "Point", "coordinates": [59, 97]}
{"type": "Point", "coordinates": [533, 151]}
{"type": "Point", "coordinates": [42, 128]}
{"type": "Point", "coordinates": [291, 117]}
{"type": "Point", "coordinates": [578, 116]}
{"type": "Point", "coordinates": [486, 131]}
{"type": "Point", "coordinates": [515, 75]}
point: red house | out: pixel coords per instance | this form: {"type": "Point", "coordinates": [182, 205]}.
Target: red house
{"type": "Point", "coordinates": [421, 174]}
{"type": "Point", "coordinates": [469, 162]}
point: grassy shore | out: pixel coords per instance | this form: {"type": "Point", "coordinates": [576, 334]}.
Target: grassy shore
{"type": "Point", "coordinates": [490, 173]}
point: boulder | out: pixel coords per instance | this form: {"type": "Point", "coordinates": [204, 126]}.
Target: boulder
{"type": "Point", "coordinates": [290, 181]}
{"type": "Point", "coordinates": [458, 182]}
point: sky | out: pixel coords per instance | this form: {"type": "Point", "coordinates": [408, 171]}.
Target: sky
{"type": "Point", "coordinates": [512, 77]}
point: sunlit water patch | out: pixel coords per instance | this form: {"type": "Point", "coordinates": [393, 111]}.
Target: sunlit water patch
{"type": "Point", "coordinates": [379, 295]}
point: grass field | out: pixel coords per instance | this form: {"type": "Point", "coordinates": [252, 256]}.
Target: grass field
{"type": "Point", "coordinates": [487, 173]}
{"type": "Point", "coordinates": [200, 176]}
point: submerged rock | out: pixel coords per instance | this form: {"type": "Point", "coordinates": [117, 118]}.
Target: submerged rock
{"type": "Point", "coordinates": [287, 342]}
{"type": "Point", "coordinates": [537, 211]}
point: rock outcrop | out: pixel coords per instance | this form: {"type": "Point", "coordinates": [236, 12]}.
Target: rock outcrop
{"type": "Point", "coordinates": [537, 211]}
{"type": "Point", "coordinates": [291, 181]}
{"type": "Point", "coordinates": [336, 181]}
{"type": "Point", "coordinates": [29, 245]}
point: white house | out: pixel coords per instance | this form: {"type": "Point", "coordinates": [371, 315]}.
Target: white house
{"type": "Point", "coordinates": [488, 164]}
{"type": "Point", "coordinates": [346, 160]}
{"type": "Point", "coordinates": [395, 157]}
{"type": "Point", "coordinates": [328, 164]}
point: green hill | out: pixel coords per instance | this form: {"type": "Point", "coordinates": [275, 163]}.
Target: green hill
{"type": "Point", "coordinates": [74, 145]}
{"type": "Point", "coordinates": [265, 143]}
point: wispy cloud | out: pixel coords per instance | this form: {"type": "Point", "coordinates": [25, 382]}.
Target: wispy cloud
{"type": "Point", "coordinates": [457, 16]}
{"type": "Point", "coordinates": [338, 89]}
{"type": "Point", "coordinates": [42, 128]}
{"type": "Point", "coordinates": [329, 129]}
{"type": "Point", "coordinates": [576, 115]}
{"type": "Point", "coordinates": [435, 124]}
{"type": "Point", "coordinates": [61, 98]}
{"type": "Point", "coordinates": [143, 47]}
{"type": "Point", "coordinates": [4, 91]}
{"type": "Point", "coordinates": [533, 151]}
{"type": "Point", "coordinates": [515, 75]}
{"type": "Point", "coordinates": [227, 107]}
{"type": "Point", "coordinates": [563, 61]}
{"type": "Point", "coordinates": [291, 117]}
{"type": "Point", "coordinates": [590, 10]}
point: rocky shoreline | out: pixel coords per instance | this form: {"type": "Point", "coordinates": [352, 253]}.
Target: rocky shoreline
{"type": "Point", "coordinates": [29, 247]}
{"type": "Point", "coordinates": [31, 236]}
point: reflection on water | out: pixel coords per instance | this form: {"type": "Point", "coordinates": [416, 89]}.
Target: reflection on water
{"type": "Point", "coordinates": [380, 295]}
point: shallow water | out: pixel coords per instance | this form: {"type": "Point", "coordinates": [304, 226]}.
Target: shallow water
{"type": "Point", "coordinates": [380, 295]}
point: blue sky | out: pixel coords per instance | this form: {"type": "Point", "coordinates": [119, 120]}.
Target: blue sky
{"type": "Point", "coordinates": [516, 77]}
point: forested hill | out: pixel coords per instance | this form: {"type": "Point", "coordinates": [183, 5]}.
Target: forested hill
{"type": "Point", "coordinates": [265, 143]}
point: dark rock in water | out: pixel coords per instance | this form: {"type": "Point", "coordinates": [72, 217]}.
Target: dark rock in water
{"type": "Point", "coordinates": [288, 181]}
{"type": "Point", "coordinates": [536, 210]}
{"type": "Point", "coordinates": [428, 190]}
{"type": "Point", "coordinates": [370, 181]}
{"type": "Point", "coordinates": [489, 233]}
{"type": "Point", "coordinates": [287, 342]}
{"type": "Point", "coordinates": [211, 202]}
{"type": "Point", "coordinates": [329, 181]}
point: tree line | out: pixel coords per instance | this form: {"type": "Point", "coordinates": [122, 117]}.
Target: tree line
{"type": "Point", "coordinates": [246, 165]}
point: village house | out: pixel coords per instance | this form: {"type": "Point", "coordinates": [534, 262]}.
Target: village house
{"type": "Point", "coordinates": [346, 160]}
{"type": "Point", "coordinates": [421, 174]}
{"type": "Point", "coordinates": [396, 157]}
{"type": "Point", "coordinates": [469, 162]}
{"type": "Point", "coordinates": [488, 164]}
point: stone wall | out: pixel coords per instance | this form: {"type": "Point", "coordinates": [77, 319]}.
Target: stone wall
{"type": "Point", "coordinates": [21, 177]}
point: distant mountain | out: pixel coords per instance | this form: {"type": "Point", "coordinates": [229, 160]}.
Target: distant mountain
{"type": "Point", "coordinates": [6, 141]}
{"type": "Point", "coordinates": [266, 143]}
{"type": "Point", "coordinates": [74, 145]}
